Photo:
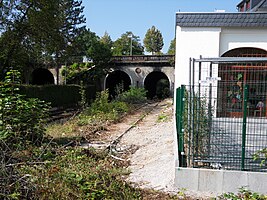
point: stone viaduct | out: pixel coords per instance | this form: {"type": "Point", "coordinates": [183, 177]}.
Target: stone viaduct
{"type": "Point", "coordinates": [139, 71]}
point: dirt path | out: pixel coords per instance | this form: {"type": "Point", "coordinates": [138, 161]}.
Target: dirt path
{"type": "Point", "coordinates": [148, 146]}
{"type": "Point", "coordinates": [152, 165]}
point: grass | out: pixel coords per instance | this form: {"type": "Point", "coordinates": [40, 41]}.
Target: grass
{"type": "Point", "coordinates": [69, 129]}
{"type": "Point", "coordinates": [77, 173]}
{"type": "Point", "coordinates": [162, 118]}
{"type": "Point", "coordinates": [95, 118]}
{"type": "Point", "coordinates": [94, 175]}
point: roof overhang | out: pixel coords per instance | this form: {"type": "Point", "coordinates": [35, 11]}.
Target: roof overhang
{"type": "Point", "coordinates": [217, 19]}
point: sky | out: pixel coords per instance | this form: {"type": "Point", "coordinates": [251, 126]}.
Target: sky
{"type": "Point", "coordinates": [116, 17]}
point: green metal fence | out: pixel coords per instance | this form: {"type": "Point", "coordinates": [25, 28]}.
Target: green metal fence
{"type": "Point", "coordinates": [222, 124]}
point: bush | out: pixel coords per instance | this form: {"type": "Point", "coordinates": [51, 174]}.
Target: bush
{"type": "Point", "coordinates": [102, 105]}
{"type": "Point", "coordinates": [20, 118]}
{"type": "Point", "coordinates": [162, 89]}
{"type": "Point", "coordinates": [22, 123]}
{"type": "Point", "coordinates": [261, 156]}
{"type": "Point", "coordinates": [242, 194]}
{"type": "Point", "coordinates": [103, 110]}
{"type": "Point", "coordinates": [59, 95]}
{"type": "Point", "coordinates": [133, 96]}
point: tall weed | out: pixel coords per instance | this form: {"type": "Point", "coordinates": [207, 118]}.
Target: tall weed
{"type": "Point", "coordinates": [22, 124]}
{"type": "Point", "coordinates": [80, 174]}
{"type": "Point", "coordinates": [103, 110]}
{"type": "Point", "coordinates": [133, 96]}
{"type": "Point", "coordinates": [21, 119]}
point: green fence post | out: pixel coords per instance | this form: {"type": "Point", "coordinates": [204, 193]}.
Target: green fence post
{"type": "Point", "coordinates": [244, 128]}
{"type": "Point", "coordinates": [179, 123]}
{"type": "Point", "coordinates": [177, 113]}
{"type": "Point", "coordinates": [181, 113]}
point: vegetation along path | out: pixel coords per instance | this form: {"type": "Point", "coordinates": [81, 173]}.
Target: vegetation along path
{"type": "Point", "coordinates": [145, 139]}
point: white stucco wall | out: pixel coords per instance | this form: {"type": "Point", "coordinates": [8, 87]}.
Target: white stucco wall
{"type": "Point", "coordinates": [212, 42]}
{"type": "Point", "coordinates": [194, 42]}
{"type": "Point", "coordinates": [237, 38]}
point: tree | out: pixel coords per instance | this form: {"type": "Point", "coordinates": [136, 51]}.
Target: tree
{"type": "Point", "coordinates": [80, 45]}
{"type": "Point", "coordinates": [7, 13]}
{"type": "Point", "coordinates": [95, 48]}
{"type": "Point", "coordinates": [106, 39]}
{"type": "Point", "coordinates": [171, 50]}
{"type": "Point", "coordinates": [153, 41]}
{"type": "Point", "coordinates": [43, 30]}
{"type": "Point", "coordinates": [126, 43]}
{"type": "Point", "coordinates": [100, 53]}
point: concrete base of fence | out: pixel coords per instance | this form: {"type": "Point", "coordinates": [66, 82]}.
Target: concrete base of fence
{"type": "Point", "coordinates": [219, 181]}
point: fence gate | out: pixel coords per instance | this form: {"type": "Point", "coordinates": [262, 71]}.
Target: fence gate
{"type": "Point", "coordinates": [221, 115]}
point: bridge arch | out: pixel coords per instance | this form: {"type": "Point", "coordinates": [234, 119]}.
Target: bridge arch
{"type": "Point", "coordinates": [42, 76]}
{"type": "Point", "coordinates": [139, 68]}
{"type": "Point", "coordinates": [117, 78]}
{"type": "Point", "coordinates": [157, 84]}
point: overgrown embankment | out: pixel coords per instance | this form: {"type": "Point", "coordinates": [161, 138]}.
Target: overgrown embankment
{"type": "Point", "coordinates": [37, 165]}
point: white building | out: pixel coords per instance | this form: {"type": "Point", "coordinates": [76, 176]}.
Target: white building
{"type": "Point", "coordinates": [215, 35]}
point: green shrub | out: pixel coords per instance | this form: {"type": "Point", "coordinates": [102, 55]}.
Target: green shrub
{"type": "Point", "coordinates": [162, 89]}
{"type": "Point", "coordinates": [243, 194]}
{"type": "Point", "coordinates": [20, 118]}
{"type": "Point", "coordinates": [102, 105]}
{"type": "Point", "coordinates": [197, 124]}
{"type": "Point", "coordinates": [103, 110]}
{"type": "Point", "coordinates": [22, 122]}
{"type": "Point", "coordinates": [261, 156]}
{"type": "Point", "coordinates": [59, 95]}
{"type": "Point", "coordinates": [133, 96]}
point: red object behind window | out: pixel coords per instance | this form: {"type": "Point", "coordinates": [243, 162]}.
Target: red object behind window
{"type": "Point", "coordinates": [248, 5]}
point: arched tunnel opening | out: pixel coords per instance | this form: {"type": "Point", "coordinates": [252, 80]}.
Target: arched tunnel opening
{"type": "Point", "coordinates": [117, 80]}
{"type": "Point", "coordinates": [157, 85]}
{"type": "Point", "coordinates": [42, 76]}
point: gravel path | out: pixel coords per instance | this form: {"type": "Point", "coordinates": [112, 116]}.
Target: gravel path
{"type": "Point", "coordinates": [149, 146]}
{"type": "Point", "coordinates": [152, 165]}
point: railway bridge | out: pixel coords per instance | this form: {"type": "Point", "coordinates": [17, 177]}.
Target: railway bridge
{"type": "Point", "coordinates": [145, 71]}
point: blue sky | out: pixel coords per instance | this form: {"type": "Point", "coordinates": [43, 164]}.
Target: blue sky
{"type": "Point", "coordinates": [118, 16]}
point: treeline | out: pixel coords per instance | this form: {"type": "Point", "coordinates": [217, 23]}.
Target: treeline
{"type": "Point", "coordinates": [51, 33]}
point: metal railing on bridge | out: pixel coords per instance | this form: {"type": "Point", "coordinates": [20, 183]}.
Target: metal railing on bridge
{"type": "Point", "coordinates": [143, 59]}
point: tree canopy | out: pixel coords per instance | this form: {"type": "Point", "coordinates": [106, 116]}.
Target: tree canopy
{"type": "Point", "coordinates": [128, 43]}
{"type": "Point", "coordinates": [153, 40]}
{"type": "Point", "coordinates": [171, 50]}
{"type": "Point", "coordinates": [106, 39]}
{"type": "Point", "coordinates": [38, 32]}
{"type": "Point", "coordinates": [96, 49]}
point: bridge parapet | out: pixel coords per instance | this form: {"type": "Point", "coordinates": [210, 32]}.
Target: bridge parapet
{"type": "Point", "coordinates": [143, 59]}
